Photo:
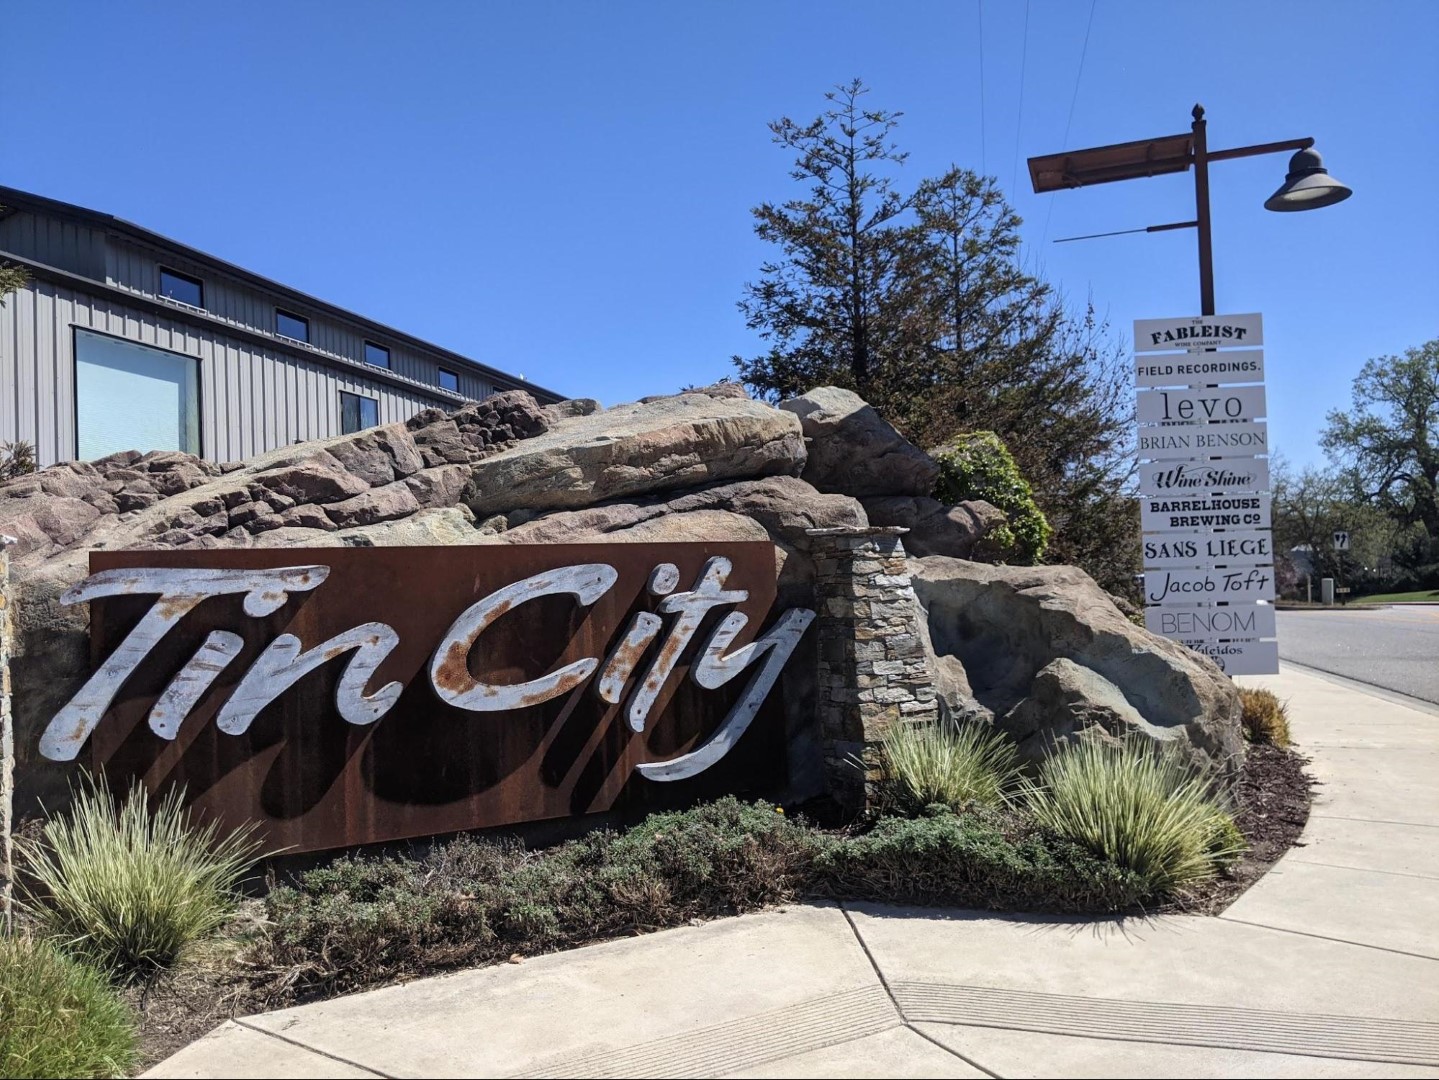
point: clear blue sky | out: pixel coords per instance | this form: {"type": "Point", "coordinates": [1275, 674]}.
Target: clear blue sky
{"type": "Point", "coordinates": [562, 189]}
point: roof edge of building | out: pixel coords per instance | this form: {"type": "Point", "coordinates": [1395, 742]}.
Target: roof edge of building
{"type": "Point", "coordinates": [14, 198]}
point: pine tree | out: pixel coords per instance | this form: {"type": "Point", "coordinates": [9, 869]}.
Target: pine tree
{"type": "Point", "coordinates": [919, 302]}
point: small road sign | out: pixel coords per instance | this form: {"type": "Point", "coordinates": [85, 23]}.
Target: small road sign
{"type": "Point", "coordinates": [1341, 541]}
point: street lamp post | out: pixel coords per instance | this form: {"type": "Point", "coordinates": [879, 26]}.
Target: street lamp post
{"type": "Point", "coordinates": [1308, 185]}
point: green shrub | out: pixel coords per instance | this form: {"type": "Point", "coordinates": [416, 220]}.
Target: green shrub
{"type": "Point", "coordinates": [946, 763]}
{"type": "Point", "coordinates": [366, 919]}
{"type": "Point", "coordinates": [978, 465]}
{"type": "Point", "coordinates": [59, 1017]}
{"type": "Point", "coordinates": [979, 859]}
{"type": "Point", "coordinates": [129, 889]}
{"type": "Point", "coordinates": [1143, 809]}
{"type": "Point", "coordinates": [1265, 717]}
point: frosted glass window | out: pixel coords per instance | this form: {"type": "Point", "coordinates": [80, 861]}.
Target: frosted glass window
{"type": "Point", "coordinates": [133, 397]}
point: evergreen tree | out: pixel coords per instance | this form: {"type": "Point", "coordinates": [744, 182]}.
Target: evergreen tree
{"type": "Point", "coordinates": [838, 302]}
{"type": "Point", "coordinates": [920, 304]}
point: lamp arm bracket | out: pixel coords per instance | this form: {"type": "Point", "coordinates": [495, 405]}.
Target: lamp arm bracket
{"type": "Point", "coordinates": [1289, 145]}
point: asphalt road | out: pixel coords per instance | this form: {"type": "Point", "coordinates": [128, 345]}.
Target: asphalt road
{"type": "Point", "coordinates": [1396, 648]}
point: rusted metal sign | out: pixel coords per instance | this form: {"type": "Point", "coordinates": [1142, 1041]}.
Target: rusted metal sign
{"type": "Point", "coordinates": [343, 696]}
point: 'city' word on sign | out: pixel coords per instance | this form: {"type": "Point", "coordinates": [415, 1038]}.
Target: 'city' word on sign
{"type": "Point", "coordinates": [343, 696]}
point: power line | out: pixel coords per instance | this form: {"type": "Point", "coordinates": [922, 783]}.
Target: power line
{"type": "Point", "coordinates": [1019, 124]}
{"type": "Point", "coordinates": [1079, 75]}
{"type": "Point", "coordinates": [983, 166]}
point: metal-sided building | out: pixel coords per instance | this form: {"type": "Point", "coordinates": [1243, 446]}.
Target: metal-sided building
{"type": "Point", "coordinates": [125, 340]}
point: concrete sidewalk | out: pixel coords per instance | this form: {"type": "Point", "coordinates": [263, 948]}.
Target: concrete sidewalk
{"type": "Point", "coordinates": [1329, 966]}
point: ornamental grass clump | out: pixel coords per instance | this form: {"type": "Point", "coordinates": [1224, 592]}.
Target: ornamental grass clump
{"type": "Point", "coordinates": [1145, 810]}
{"type": "Point", "coordinates": [58, 1016]}
{"type": "Point", "coordinates": [130, 889]}
{"type": "Point", "coordinates": [1265, 718]}
{"type": "Point", "coordinates": [948, 764]}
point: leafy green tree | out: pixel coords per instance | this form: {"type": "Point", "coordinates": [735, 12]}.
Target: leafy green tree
{"type": "Point", "coordinates": [1388, 442]}
{"type": "Point", "coordinates": [1310, 506]}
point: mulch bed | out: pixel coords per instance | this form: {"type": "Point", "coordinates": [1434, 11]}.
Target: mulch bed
{"type": "Point", "coordinates": [1272, 806]}
{"type": "Point", "coordinates": [1272, 800]}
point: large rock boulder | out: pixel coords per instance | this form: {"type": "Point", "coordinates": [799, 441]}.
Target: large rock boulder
{"type": "Point", "coordinates": [854, 451]}
{"type": "Point", "coordinates": [934, 528]}
{"type": "Point", "coordinates": [1044, 652]}
{"type": "Point", "coordinates": [643, 449]}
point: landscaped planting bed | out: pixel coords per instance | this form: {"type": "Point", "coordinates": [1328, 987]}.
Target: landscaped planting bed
{"type": "Point", "coordinates": [959, 828]}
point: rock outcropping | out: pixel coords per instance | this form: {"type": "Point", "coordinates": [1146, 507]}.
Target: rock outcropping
{"type": "Point", "coordinates": [1043, 653]}
{"type": "Point", "coordinates": [1040, 650]}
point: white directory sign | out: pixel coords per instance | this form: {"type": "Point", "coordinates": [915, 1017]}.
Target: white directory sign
{"type": "Point", "coordinates": [1171, 587]}
{"type": "Point", "coordinates": [1189, 513]}
{"type": "Point", "coordinates": [1177, 551]}
{"type": "Point", "coordinates": [1209, 368]}
{"type": "Point", "coordinates": [1202, 440]}
{"type": "Point", "coordinates": [1237, 622]}
{"type": "Point", "coordinates": [1203, 405]}
{"type": "Point", "coordinates": [1244, 438]}
{"type": "Point", "coordinates": [1198, 332]}
{"type": "Point", "coordinates": [1241, 657]}
{"type": "Point", "coordinates": [1230, 476]}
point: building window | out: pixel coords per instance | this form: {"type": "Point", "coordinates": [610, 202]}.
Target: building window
{"type": "Point", "coordinates": [449, 380]}
{"type": "Point", "coordinates": [292, 326]}
{"type": "Point", "coordinates": [377, 355]}
{"type": "Point", "coordinates": [182, 287]}
{"type": "Point", "coordinates": [133, 397]}
{"type": "Point", "coordinates": [357, 413]}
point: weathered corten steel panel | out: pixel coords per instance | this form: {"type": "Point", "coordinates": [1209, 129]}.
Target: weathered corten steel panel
{"type": "Point", "coordinates": [315, 781]}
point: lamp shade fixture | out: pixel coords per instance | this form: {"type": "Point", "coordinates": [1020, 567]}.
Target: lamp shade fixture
{"type": "Point", "coordinates": [1308, 185]}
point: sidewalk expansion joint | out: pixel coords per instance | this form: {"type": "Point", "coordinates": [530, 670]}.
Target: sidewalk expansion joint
{"type": "Point", "coordinates": [1364, 869]}
{"type": "Point", "coordinates": [1378, 821]}
{"type": "Point", "coordinates": [1352, 1038]}
{"type": "Point", "coordinates": [1328, 937]}
{"type": "Point", "coordinates": [239, 1022]}
{"type": "Point", "coordinates": [899, 1007]}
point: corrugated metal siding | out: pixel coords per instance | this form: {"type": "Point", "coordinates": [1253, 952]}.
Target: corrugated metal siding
{"type": "Point", "coordinates": [136, 267]}
{"type": "Point", "coordinates": [252, 399]}
{"type": "Point", "coordinates": [70, 245]}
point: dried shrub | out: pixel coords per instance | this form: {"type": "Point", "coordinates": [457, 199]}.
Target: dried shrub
{"type": "Point", "coordinates": [1265, 717]}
